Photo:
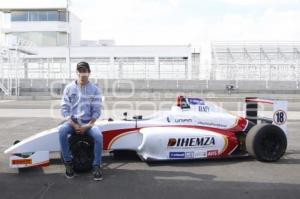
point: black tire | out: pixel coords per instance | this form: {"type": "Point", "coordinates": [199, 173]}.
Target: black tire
{"type": "Point", "coordinates": [16, 142]}
{"type": "Point", "coordinates": [81, 147]}
{"type": "Point", "coordinates": [266, 142]}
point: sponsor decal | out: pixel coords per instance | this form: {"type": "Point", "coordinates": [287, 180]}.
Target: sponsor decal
{"type": "Point", "coordinates": [200, 154]}
{"type": "Point", "coordinates": [181, 155]}
{"type": "Point", "coordinates": [21, 161]}
{"type": "Point", "coordinates": [172, 142]}
{"type": "Point", "coordinates": [168, 120]}
{"type": "Point", "coordinates": [203, 108]}
{"type": "Point", "coordinates": [279, 117]}
{"type": "Point", "coordinates": [177, 155]}
{"type": "Point", "coordinates": [189, 154]}
{"type": "Point", "coordinates": [195, 101]}
{"type": "Point", "coordinates": [194, 142]}
{"type": "Point", "coordinates": [212, 153]}
{"type": "Point", "coordinates": [183, 120]}
{"type": "Point", "coordinates": [212, 124]}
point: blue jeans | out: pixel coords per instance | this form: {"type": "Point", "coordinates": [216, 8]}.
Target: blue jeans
{"type": "Point", "coordinates": [66, 129]}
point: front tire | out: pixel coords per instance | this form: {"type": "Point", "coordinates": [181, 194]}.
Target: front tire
{"type": "Point", "coordinates": [81, 147]}
{"type": "Point", "coordinates": [266, 142]}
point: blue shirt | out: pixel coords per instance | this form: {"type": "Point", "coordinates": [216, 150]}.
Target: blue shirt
{"type": "Point", "coordinates": [82, 103]}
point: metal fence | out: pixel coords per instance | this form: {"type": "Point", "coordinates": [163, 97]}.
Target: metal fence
{"type": "Point", "coordinates": [102, 68]}
{"type": "Point", "coordinates": [233, 61]}
{"type": "Point", "coordinates": [278, 61]}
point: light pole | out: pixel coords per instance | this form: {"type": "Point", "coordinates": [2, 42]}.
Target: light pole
{"type": "Point", "coordinates": [68, 59]}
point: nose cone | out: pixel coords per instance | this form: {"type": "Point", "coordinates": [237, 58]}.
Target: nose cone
{"type": "Point", "coordinates": [10, 150]}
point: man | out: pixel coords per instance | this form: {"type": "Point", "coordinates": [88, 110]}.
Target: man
{"type": "Point", "coordinates": [81, 106]}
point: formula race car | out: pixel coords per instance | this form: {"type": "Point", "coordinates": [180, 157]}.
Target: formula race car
{"type": "Point", "coordinates": [192, 129]}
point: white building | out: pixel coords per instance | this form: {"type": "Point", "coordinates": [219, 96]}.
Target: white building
{"type": "Point", "coordinates": [42, 24]}
{"type": "Point", "coordinates": [54, 34]}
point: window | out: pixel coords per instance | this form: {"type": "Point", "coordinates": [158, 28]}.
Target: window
{"type": "Point", "coordinates": [34, 16]}
{"type": "Point", "coordinates": [52, 16]}
{"type": "Point", "coordinates": [46, 38]}
{"type": "Point", "coordinates": [62, 39]}
{"type": "Point", "coordinates": [39, 15]}
{"type": "Point", "coordinates": [42, 16]}
{"type": "Point", "coordinates": [19, 16]}
{"type": "Point", "coordinates": [62, 16]}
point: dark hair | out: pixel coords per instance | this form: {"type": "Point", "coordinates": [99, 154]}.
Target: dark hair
{"type": "Point", "coordinates": [84, 65]}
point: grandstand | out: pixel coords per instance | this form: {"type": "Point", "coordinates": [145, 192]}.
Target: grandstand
{"type": "Point", "coordinates": [278, 61]}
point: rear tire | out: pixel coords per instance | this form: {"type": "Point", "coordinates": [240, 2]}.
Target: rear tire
{"type": "Point", "coordinates": [266, 142]}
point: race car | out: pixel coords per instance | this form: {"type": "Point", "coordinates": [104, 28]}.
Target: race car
{"type": "Point", "coordinates": [192, 129]}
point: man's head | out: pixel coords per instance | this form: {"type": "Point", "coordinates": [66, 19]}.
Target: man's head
{"type": "Point", "coordinates": [83, 72]}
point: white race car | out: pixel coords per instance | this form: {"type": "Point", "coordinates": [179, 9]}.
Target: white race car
{"type": "Point", "coordinates": [193, 129]}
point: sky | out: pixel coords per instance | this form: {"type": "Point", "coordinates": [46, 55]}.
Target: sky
{"type": "Point", "coordinates": [182, 22]}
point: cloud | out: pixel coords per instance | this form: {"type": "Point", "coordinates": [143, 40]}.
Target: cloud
{"type": "Point", "coordinates": [139, 22]}
{"type": "Point", "coordinates": [260, 2]}
{"type": "Point", "coordinates": [174, 2]}
{"type": "Point", "coordinates": [148, 24]}
{"type": "Point", "coordinates": [272, 25]}
{"type": "Point", "coordinates": [32, 3]}
{"type": "Point", "coordinates": [121, 19]}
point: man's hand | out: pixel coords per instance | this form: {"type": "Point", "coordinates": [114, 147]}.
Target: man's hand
{"type": "Point", "coordinates": [82, 129]}
{"type": "Point", "coordinates": [75, 126]}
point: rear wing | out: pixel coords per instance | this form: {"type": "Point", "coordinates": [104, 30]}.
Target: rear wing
{"type": "Point", "coordinates": [279, 112]}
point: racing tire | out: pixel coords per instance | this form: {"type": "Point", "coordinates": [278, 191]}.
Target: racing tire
{"type": "Point", "coordinates": [266, 142]}
{"type": "Point", "coordinates": [16, 142]}
{"type": "Point", "coordinates": [82, 151]}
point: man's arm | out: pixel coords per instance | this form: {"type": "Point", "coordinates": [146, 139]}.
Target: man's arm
{"type": "Point", "coordinates": [66, 109]}
{"type": "Point", "coordinates": [66, 105]}
{"type": "Point", "coordinates": [91, 123]}
{"type": "Point", "coordinates": [96, 106]}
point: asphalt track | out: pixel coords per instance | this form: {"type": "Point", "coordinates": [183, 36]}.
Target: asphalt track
{"type": "Point", "coordinates": [128, 177]}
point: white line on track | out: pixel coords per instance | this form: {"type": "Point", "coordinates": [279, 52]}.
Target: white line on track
{"type": "Point", "coordinates": [3, 101]}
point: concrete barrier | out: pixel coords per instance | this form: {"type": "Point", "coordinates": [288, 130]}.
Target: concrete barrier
{"type": "Point", "coordinates": [160, 89]}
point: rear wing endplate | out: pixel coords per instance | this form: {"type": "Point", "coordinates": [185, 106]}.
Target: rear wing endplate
{"type": "Point", "coordinates": [279, 113]}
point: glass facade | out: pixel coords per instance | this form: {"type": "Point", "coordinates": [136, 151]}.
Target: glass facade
{"type": "Point", "coordinates": [42, 15]}
{"type": "Point", "coordinates": [19, 16]}
{"type": "Point", "coordinates": [46, 38]}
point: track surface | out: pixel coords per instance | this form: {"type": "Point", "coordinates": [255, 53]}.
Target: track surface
{"type": "Point", "coordinates": [128, 177]}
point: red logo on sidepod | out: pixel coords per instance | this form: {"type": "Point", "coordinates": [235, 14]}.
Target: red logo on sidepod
{"type": "Point", "coordinates": [212, 153]}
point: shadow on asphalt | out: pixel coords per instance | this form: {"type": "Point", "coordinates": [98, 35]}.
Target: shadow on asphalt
{"type": "Point", "coordinates": [131, 156]}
